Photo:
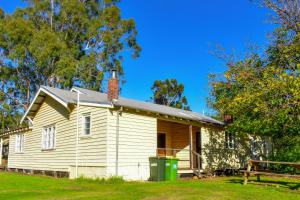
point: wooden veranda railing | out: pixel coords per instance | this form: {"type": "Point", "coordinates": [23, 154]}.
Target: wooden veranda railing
{"type": "Point", "coordinates": [168, 152]}
{"type": "Point", "coordinates": [197, 170]}
{"type": "Point", "coordinates": [191, 156]}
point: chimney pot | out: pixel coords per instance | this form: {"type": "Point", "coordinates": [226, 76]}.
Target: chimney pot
{"type": "Point", "coordinates": [113, 73]}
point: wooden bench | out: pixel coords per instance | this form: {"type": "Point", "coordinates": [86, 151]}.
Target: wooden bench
{"type": "Point", "coordinates": [254, 164]}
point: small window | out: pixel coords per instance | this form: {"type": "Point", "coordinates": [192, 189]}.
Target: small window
{"type": "Point", "coordinates": [229, 141]}
{"type": "Point", "coordinates": [19, 148]}
{"type": "Point", "coordinates": [254, 146]}
{"type": "Point", "coordinates": [86, 126]}
{"type": "Point", "coordinates": [48, 137]}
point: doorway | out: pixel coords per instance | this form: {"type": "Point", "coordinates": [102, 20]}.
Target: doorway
{"type": "Point", "coordinates": [161, 144]}
{"type": "Point", "coordinates": [199, 147]}
{"type": "Point", "coordinates": [5, 152]}
{"type": "Point", "coordinates": [161, 140]}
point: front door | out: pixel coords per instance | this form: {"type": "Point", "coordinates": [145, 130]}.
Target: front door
{"type": "Point", "coordinates": [198, 146]}
{"type": "Point", "coordinates": [5, 149]}
{"type": "Point", "coordinates": [161, 144]}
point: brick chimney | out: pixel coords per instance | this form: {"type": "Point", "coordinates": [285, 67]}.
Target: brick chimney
{"type": "Point", "coordinates": [228, 119]}
{"type": "Point", "coordinates": [113, 87]}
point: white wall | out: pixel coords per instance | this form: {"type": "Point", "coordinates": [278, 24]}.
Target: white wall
{"type": "Point", "coordinates": [137, 142]}
{"type": "Point", "coordinates": [92, 149]}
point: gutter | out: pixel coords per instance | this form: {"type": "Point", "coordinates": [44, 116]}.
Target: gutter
{"type": "Point", "coordinates": [13, 131]}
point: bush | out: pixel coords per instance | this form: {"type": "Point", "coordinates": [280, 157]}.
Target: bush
{"type": "Point", "coordinates": [291, 154]}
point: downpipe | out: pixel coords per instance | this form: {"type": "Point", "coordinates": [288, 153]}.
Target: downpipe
{"type": "Point", "coordinates": [117, 140]}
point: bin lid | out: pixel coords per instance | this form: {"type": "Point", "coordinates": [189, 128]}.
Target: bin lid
{"type": "Point", "coordinates": [171, 158]}
{"type": "Point", "coordinates": [158, 157]}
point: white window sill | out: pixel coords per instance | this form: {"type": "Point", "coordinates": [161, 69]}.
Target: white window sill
{"type": "Point", "coordinates": [48, 149]}
{"type": "Point", "coordinates": [82, 136]}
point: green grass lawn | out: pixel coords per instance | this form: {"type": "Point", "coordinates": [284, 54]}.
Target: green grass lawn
{"type": "Point", "coordinates": [18, 186]}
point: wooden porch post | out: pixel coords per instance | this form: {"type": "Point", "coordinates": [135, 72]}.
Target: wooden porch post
{"type": "Point", "coordinates": [200, 148]}
{"type": "Point", "coordinates": [191, 146]}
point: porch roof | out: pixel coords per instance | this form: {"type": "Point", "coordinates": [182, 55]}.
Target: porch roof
{"type": "Point", "coordinates": [15, 130]}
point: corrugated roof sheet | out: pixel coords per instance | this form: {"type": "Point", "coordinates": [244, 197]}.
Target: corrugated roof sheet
{"type": "Point", "coordinates": [89, 96]}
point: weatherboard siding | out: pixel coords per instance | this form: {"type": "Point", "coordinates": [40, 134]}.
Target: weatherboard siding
{"type": "Point", "coordinates": [92, 149]}
{"type": "Point", "coordinates": [137, 142]}
{"type": "Point", "coordinates": [216, 156]}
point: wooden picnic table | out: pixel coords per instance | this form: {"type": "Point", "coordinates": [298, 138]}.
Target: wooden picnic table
{"type": "Point", "coordinates": [254, 164]}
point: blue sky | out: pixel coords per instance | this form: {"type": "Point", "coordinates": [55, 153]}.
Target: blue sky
{"type": "Point", "coordinates": [177, 36]}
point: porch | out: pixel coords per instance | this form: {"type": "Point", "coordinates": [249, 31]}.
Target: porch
{"type": "Point", "coordinates": [183, 142]}
{"type": "Point", "coordinates": [4, 148]}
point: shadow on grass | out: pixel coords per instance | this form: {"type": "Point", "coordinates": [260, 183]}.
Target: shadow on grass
{"type": "Point", "coordinates": [265, 182]}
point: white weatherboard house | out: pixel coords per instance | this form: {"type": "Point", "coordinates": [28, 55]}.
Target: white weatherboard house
{"type": "Point", "coordinates": [92, 134]}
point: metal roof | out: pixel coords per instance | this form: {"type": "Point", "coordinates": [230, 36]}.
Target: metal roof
{"type": "Point", "coordinates": [94, 97]}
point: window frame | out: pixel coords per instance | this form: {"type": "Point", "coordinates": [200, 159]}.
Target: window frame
{"type": "Point", "coordinates": [46, 139]}
{"type": "Point", "coordinates": [19, 143]}
{"type": "Point", "coordinates": [254, 146]}
{"type": "Point", "coordinates": [85, 115]}
{"type": "Point", "coordinates": [229, 141]}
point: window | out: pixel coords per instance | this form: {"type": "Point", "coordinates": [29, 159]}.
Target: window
{"type": "Point", "coordinates": [86, 126]}
{"type": "Point", "coordinates": [19, 148]}
{"type": "Point", "coordinates": [48, 137]}
{"type": "Point", "coordinates": [254, 147]}
{"type": "Point", "coordinates": [229, 141]}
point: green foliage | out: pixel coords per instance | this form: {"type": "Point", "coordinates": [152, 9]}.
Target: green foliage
{"type": "Point", "coordinates": [170, 93]}
{"type": "Point", "coordinates": [61, 43]}
{"type": "Point", "coordinates": [287, 154]}
{"type": "Point", "coordinates": [262, 93]}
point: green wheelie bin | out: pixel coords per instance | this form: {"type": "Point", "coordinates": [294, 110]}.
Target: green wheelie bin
{"type": "Point", "coordinates": [171, 169]}
{"type": "Point", "coordinates": [157, 168]}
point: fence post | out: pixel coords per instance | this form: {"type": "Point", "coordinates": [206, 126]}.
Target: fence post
{"type": "Point", "coordinates": [247, 173]}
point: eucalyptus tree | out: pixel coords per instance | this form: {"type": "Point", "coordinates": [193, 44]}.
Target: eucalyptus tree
{"type": "Point", "coordinates": [170, 93]}
{"type": "Point", "coordinates": [61, 43]}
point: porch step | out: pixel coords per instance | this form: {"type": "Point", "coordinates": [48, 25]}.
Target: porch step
{"type": "Point", "coordinates": [189, 173]}
{"type": "Point", "coordinates": [185, 171]}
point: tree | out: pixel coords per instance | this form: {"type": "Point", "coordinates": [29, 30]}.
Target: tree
{"type": "Point", "coordinates": [262, 92]}
{"type": "Point", "coordinates": [170, 93]}
{"type": "Point", "coordinates": [286, 13]}
{"type": "Point", "coordinates": [61, 43]}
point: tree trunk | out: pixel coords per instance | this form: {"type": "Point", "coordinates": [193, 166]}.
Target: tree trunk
{"type": "Point", "coordinates": [26, 105]}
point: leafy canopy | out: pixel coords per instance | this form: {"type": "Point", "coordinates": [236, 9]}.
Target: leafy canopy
{"type": "Point", "coordinates": [61, 43]}
{"type": "Point", "coordinates": [262, 92]}
{"type": "Point", "coordinates": [170, 93]}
